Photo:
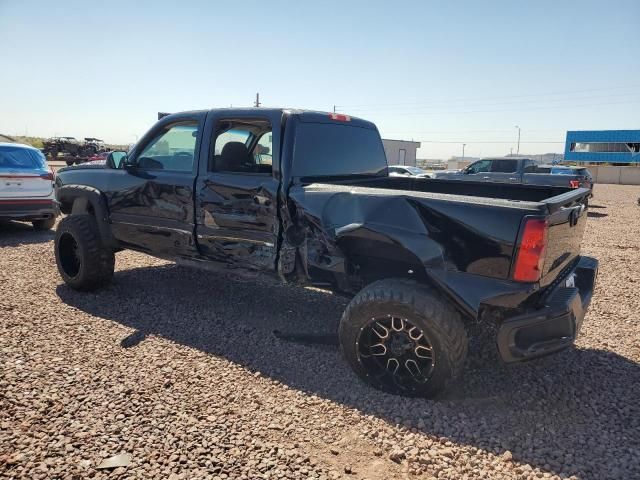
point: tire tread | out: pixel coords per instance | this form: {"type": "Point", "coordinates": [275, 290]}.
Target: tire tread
{"type": "Point", "coordinates": [98, 260]}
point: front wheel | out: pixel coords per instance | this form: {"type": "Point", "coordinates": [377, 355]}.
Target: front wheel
{"type": "Point", "coordinates": [403, 338]}
{"type": "Point", "coordinates": [83, 261]}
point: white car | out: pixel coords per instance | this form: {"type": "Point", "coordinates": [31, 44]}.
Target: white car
{"type": "Point", "coordinates": [26, 186]}
{"type": "Point", "coordinates": [407, 171]}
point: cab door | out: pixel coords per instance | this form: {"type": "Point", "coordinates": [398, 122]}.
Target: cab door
{"type": "Point", "coordinates": [151, 196]}
{"type": "Point", "coordinates": [476, 172]}
{"type": "Point", "coordinates": [504, 171]}
{"type": "Point", "coordinates": [237, 222]}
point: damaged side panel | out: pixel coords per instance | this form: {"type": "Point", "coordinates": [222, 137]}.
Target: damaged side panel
{"type": "Point", "coordinates": [348, 237]}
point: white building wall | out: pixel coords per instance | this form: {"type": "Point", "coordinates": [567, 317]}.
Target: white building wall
{"type": "Point", "coordinates": [392, 149]}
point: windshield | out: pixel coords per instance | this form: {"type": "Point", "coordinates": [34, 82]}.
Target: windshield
{"type": "Point", "coordinates": [329, 149]}
{"type": "Point", "coordinates": [415, 170]}
{"type": "Point", "coordinates": [21, 158]}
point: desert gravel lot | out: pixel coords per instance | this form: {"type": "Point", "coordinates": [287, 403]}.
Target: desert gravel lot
{"type": "Point", "coordinates": [180, 370]}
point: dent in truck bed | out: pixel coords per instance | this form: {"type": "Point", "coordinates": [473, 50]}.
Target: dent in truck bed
{"type": "Point", "coordinates": [350, 236]}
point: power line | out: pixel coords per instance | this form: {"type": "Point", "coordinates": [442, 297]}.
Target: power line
{"type": "Point", "coordinates": [569, 101]}
{"type": "Point", "coordinates": [552, 107]}
{"type": "Point", "coordinates": [476, 131]}
{"type": "Point", "coordinates": [490, 141]}
{"type": "Point", "coordinates": [495, 97]}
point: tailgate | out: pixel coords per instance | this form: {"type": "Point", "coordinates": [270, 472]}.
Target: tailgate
{"type": "Point", "coordinates": [21, 184]}
{"type": "Point", "coordinates": [567, 220]}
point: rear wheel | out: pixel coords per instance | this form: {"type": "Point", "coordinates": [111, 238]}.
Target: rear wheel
{"type": "Point", "coordinates": [83, 262]}
{"type": "Point", "coordinates": [45, 224]}
{"type": "Point", "coordinates": [403, 338]}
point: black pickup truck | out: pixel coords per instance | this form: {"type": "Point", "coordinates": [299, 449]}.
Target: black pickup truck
{"type": "Point", "coordinates": [306, 197]}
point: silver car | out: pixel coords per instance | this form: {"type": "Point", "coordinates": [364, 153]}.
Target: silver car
{"type": "Point", "coordinates": [26, 186]}
{"type": "Point", "coordinates": [407, 171]}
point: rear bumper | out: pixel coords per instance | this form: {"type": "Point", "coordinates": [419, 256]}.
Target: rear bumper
{"type": "Point", "coordinates": [28, 209]}
{"type": "Point", "coordinates": [554, 326]}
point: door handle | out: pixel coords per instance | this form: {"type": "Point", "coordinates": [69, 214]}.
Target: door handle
{"type": "Point", "coordinates": [486, 178]}
{"type": "Point", "coordinates": [513, 178]}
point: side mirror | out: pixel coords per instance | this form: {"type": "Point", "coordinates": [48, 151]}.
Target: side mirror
{"type": "Point", "coordinates": [117, 159]}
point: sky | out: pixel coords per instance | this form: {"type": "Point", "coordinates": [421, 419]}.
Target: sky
{"type": "Point", "coordinates": [443, 73]}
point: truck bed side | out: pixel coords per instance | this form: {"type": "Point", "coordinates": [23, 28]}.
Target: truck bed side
{"type": "Point", "coordinates": [350, 233]}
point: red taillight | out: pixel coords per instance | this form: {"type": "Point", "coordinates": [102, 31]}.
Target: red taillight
{"type": "Point", "coordinates": [340, 117]}
{"type": "Point", "coordinates": [574, 183]}
{"type": "Point", "coordinates": [48, 176]}
{"type": "Point", "coordinates": [533, 243]}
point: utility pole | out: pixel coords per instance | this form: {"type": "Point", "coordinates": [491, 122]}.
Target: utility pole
{"type": "Point", "coordinates": [463, 145]}
{"type": "Point", "coordinates": [334, 109]}
{"type": "Point", "coordinates": [257, 103]}
{"type": "Point", "coordinates": [518, 149]}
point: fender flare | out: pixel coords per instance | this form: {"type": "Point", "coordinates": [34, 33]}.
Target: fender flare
{"type": "Point", "coordinates": [84, 199]}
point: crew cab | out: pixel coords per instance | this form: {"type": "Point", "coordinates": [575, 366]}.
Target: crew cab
{"type": "Point", "coordinates": [520, 170]}
{"type": "Point", "coordinates": [305, 197]}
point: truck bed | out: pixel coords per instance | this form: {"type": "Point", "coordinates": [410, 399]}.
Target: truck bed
{"type": "Point", "coordinates": [456, 226]}
{"type": "Point", "coordinates": [522, 193]}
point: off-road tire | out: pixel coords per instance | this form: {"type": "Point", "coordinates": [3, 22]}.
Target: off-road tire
{"type": "Point", "coordinates": [45, 224]}
{"type": "Point", "coordinates": [96, 262]}
{"type": "Point", "coordinates": [428, 310]}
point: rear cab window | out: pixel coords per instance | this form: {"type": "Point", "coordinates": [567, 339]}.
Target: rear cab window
{"type": "Point", "coordinates": [337, 149]}
{"type": "Point", "coordinates": [563, 171]}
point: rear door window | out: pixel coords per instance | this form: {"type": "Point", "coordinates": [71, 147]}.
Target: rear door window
{"type": "Point", "coordinates": [243, 146]}
{"type": "Point", "coordinates": [504, 166]}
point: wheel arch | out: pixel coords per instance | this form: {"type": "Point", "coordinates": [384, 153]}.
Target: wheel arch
{"type": "Point", "coordinates": [372, 259]}
{"type": "Point", "coordinates": [83, 200]}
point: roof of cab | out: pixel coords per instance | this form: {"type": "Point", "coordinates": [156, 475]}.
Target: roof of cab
{"type": "Point", "coordinates": [312, 116]}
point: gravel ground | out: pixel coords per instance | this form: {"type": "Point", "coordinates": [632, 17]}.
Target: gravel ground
{"type": "Point", "coordinates": [179, 370]}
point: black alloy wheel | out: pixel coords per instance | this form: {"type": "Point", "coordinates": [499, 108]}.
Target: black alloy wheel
{"type": "Point", "coordinates": [70, 260]}
{"type": "Point", "coordinates": [397, 353]}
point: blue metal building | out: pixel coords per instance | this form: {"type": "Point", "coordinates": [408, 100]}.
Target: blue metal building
{"type": "Point", "coordinates": [605, 146]}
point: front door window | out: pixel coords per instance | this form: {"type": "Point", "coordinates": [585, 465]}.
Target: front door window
{"type": "Point", "coordinates": [173, 149]}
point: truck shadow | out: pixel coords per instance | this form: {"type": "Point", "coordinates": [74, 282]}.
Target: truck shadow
{"type": "Point", "coordinates": [581, 403]}
{"type": "Point", "coordinates": [14, 233]}
{"type": "Point", "coordinates": [596, 214]}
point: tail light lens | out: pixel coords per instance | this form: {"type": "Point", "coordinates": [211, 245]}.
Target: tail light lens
{"type": "Point", "coordinates": [574, 183]}
{"type": "Point", "coordinates": [48, 176]}
{"type": "Point", "coordinates": [533, 244]}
